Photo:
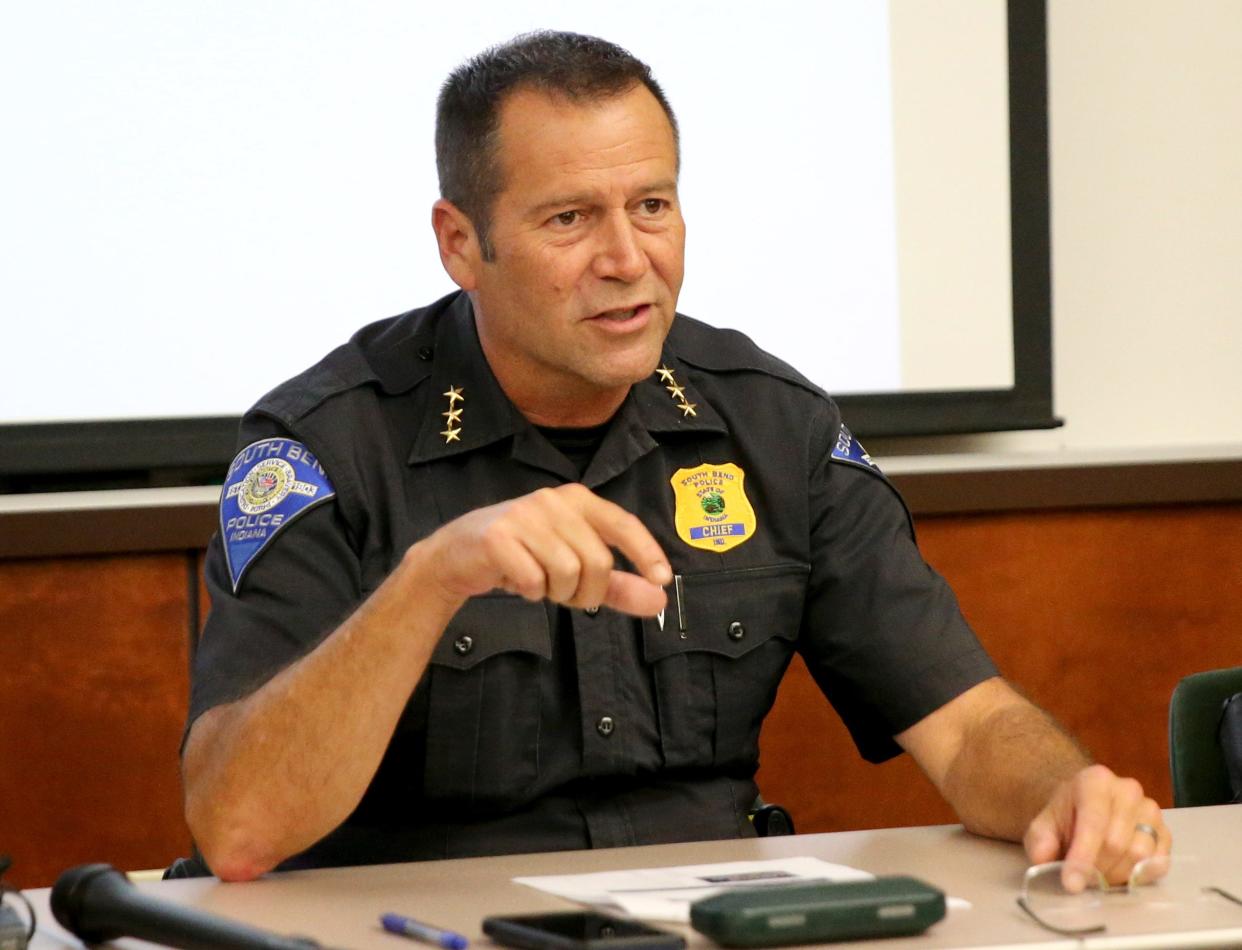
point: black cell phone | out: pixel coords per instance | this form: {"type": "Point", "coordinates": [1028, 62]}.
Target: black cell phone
{"type": "Point", "coordinates": [578, 930]}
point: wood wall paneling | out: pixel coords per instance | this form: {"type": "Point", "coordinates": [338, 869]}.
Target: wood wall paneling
{"type": "Point", "coordinates": [1095, 614]}
{"type": "Point", "coordinates": [92, 697]}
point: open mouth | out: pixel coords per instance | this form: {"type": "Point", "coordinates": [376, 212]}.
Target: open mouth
{"type": "Point", "coordinates": [621, 316]}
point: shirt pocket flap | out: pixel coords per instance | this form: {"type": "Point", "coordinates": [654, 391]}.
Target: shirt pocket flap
{"type": "Point", "coordinates": [729, 613]}
{"type": "Point", "coordinates": [492, 624]}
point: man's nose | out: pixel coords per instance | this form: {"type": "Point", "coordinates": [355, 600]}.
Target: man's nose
{"type": "Point", "coordinates": [619, 255]}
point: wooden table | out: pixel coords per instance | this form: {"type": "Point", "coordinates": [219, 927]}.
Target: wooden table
{"type": "Point", "coordinates": [340, 907]}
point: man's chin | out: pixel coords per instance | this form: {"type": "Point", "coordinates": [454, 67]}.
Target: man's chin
{"type": "Point", "coordinates": [644, 358]}
{"type": "Point", "coordinates": [621, 365]}
{"type": "Point", "coordinates": [629, 372]}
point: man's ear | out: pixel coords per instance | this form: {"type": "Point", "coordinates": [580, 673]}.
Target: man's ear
{"type": "Point", "coordinates": [459, 244]}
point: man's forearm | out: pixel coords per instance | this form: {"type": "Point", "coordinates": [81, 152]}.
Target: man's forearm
{"type": "Point", "coordinates": [1011, 772]}
{"type": "Point", "coordinates": [1007, 769]}
{"type": "Point", "coordinates": [269, 775]}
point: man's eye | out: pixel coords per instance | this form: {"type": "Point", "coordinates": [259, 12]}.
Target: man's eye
{"type": "Point", "coordinates": [567, 217]}
{"type": "Point", "coordinates": [653, 205]}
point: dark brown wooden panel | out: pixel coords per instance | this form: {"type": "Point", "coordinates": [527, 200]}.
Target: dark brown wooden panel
{"type": "Point", "coordinates": [1096, 614]}
{"type": "Point", "coordinates": [810, 766]}
{"type": "Point", "coordinates": [204, 598]}
{"type": "Point", "coordinates": [92, 697]}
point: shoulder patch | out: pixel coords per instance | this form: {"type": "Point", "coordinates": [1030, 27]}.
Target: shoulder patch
{"type": "Point", "coordinates": [849, 449]}
{"type": "Point", "coordinates": [269, 485]}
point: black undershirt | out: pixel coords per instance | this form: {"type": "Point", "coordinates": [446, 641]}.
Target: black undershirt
{"type": "Point", "coordinates": [577, 445]}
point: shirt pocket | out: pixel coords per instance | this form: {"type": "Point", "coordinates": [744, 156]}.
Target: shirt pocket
{"type": "Point", "coordinates": [483, 709]}
{"type": "Point", "coordinates": [726, 641]}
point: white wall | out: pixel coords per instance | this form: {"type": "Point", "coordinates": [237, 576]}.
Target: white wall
{"type": "Point", "coordinates": [1146, 148]}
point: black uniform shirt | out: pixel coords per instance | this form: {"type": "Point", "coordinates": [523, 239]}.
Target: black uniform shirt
{"type": "Point", "coordinates": [537, 727]}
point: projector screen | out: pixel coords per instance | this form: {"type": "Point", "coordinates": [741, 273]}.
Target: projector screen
{"type": "Point", "coordinates": [202, 200]}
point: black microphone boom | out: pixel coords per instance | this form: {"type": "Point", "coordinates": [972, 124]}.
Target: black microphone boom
{"type": "Point", "coordinates": [97, 903]}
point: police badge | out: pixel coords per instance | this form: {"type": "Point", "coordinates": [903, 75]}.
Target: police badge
{"type": "Point", "coordinates": [712, 511]}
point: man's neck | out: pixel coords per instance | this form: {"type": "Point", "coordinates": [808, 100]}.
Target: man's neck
{"type": "Point", "coordinates": [549, 397]}
{"type": "Point", "coordinates": [567, 410]}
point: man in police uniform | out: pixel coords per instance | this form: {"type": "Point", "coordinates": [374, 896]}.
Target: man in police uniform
{"type": "Point", "coordinates": [521, 570]}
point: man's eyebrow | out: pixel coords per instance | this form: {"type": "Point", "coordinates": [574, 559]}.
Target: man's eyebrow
{"type": "Point", "coordinates": [667, 184]}
{"type": "Point", "coordinates": [562, 201]}
{"type": "Point", "coordinates": [589, 198]}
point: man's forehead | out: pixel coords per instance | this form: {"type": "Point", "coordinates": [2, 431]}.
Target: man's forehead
{"type": "Point", "coordinates": [529, 115]}
{"type": "Point", "coordinates": [547, 136]}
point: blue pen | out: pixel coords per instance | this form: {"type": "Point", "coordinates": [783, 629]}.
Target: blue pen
{"type": "Point", "coordinates": [407, 927]}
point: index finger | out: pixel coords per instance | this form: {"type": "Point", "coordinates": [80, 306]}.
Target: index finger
{"type": "Point", "coordinates": [1090, 823]}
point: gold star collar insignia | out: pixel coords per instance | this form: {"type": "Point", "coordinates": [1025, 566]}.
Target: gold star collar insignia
{"type": "Point", "coordinates": [677, 391]}
{"type": "Point", "coordinates": [454, 396]}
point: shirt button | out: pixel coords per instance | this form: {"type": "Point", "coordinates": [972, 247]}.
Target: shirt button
{"type": "Point", "coordinates": [605, 726]}
{"type": "Point", "coordinates": [591, 611]}
{"type": "Point", "coordinates": [463, 645]}
{"type": "Point", "coordinates": [736, 630]}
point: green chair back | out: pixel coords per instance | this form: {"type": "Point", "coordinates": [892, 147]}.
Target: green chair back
{"type": "Point", "coordinates": [1195, 760]}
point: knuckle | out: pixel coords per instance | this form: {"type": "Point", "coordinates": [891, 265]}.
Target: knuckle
{"type": "Point", "coordinates": [565, 567]}
{"type": "Point", "coordinates": [530, 584]}
{"type": "Point", "coordinates": [494, 539]}
{"type": "Point", "coordinates": [1097, 774]}
{"type": "Point", "coordinates": [573, 494]}
{"type": "Point", "coordinates": [599, 562]}
{"type": "Point", "coordinates": [541, 498]}
{"type": "Point", "coordinates": [1092, 782]}
{"type": "Point", "coordinates": [517, 510]}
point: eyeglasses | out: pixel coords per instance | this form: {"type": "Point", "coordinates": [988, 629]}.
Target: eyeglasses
{"type": "Point", "coordinates": [1157, 882]}
{"type": "Point", "coordinates": [10, 920]}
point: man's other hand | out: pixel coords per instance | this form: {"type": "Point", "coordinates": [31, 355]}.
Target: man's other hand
{"type": "Point", "coordinates": [555, 543]}
{"type": "Point", "coordinates": [1097, 819]}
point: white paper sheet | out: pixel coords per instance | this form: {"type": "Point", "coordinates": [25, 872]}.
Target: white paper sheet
{"type": "Point", "coordinates": [666, 893]}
